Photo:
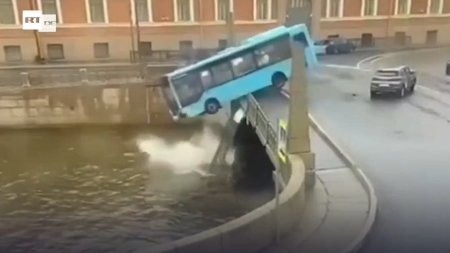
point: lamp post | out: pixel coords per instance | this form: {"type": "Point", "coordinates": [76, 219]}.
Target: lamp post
{"type": "Point", "coordinates": [235, 104]}
{"type": "Point", "coordinates": [388, 20]}
{"type": "Point", "coordinates": [138, 30]}
{"type": "Point", "coordinates": [230, 27]}
{"type": "Point", "coordinates": [133, 48]}
{"type": "Point", "coordinates": [32, 4]}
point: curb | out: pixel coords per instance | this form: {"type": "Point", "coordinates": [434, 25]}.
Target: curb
{"type": "Point", "coordinates": [358, 242]}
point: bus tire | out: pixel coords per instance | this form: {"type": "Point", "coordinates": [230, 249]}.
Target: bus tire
{"type": "Point", "coordinates": [212, 106]}
{"type": "Point", "coordinates": [279, 80]}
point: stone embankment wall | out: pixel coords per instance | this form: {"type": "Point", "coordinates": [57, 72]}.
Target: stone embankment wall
{"type": "Point", "coordinates": [66, 95]}
{"type": "Point", "coordinates": [82, 105]}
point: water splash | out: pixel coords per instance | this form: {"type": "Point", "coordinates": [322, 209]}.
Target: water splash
{"type": "Point", "coordinates": [184, 157]}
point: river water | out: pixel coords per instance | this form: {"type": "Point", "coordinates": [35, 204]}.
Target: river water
{"type": "Point", "coordinates": [115, 189]}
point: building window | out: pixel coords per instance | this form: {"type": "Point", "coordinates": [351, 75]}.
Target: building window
{"type": "Point", "coordinates": [97, 11]}
{"type": "Point", "coordinates": [323, 11]}
{"type": "Point", "coordinates": [12, 53]}
{"type": "Point", "coordinates": [403, 7]}
{"type": "Point", "coordinates": [274, 10]}
{"type": "Point", "coordinates": [55, 51]}
{"type": "Point", "coordinates": [370, 7]}
{"type": "Point", "coordinates": [101, 50]}
{"type": "Point", "coordinates": [262, 9]}
{"type": "Point", "coordinates": [186, 46]}
{"type": "Point", "coordinates": [432, 37]}
{"type": "Point", "coordinates": [435, 6]}
{"type": "Point", "coordinates": [223, 7]}
{"type": "Point", "coordinates": [142, 9]}
{"type": "Point", "coordinates": [50, 7]}
{"type": "Point", "coordinates": [145, 48]}
{"type": "Point", "coordinates": [334, 8]}
{"type": "Point", "coordinates": [298, 3]}
{"type": "Point", "coordinates": [184, 10]}
{"type": "Point", "coordinates": [223, 44]}
{"type": "Point", "coordinates": [7, 12]}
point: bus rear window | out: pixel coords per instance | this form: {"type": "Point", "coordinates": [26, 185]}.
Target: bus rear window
{"type": "Point", "coordinates": [388, 73]}
{"type": "Point", "coordinates": [302, 39]}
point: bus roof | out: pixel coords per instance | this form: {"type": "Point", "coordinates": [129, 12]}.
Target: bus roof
{"type": "Point", "coordinates": [247, 43]}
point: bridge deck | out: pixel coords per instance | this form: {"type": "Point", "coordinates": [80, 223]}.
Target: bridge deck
{"type": "Point", "coordinates": [276, 105]}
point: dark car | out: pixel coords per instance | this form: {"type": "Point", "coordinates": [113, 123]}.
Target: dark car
{"type": "Point", "coordinates": [398, 81]}
{"type": "Point", "coordinates": [447, 69]}
{"type": "Point", "coordinates": [447, 72]}
{"type": "Point", "coordinates": [339, 46]}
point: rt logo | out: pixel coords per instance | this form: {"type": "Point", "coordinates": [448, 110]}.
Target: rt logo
{"type": "Point", "coordinates": [35, 20]}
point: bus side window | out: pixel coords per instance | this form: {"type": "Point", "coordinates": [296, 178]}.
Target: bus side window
{"type": "Point", "coordinates": [206, 78]}
{"type": "Point", "coordinates": [277, 51]}
{"type": "Point", "coordinates": [243, 64]}
{"type": "Point", "coordinates": [221, 73]}
{"type": "Point", "coordinates": [262, 57]}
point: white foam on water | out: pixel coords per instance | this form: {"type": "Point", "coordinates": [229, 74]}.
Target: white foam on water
{"type": "Point", "coordinates": [183, 157]}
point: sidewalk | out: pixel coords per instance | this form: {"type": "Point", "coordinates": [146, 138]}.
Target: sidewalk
{"type": "Point", "coordinates": [338, 213]}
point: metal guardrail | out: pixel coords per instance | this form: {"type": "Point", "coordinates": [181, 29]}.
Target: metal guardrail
{"type": "Point", "coordinates": [264, 129]}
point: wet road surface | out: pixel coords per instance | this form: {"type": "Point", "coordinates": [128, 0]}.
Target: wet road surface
{"type": "Point", "coordinates": [403, 147]}
{"type": "Point", "coordinates": [115, 189]}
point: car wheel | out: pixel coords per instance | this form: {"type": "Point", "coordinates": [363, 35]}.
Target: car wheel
{"type": "Point", "coordinates": [401, 93]}
{"type": "Point", "coordinates": [373, 95]}
{"type": "Point", "coordinates": [212, 106]}
{"type": "Point", "coordinates": [412, 88]}
{"type": "Point", "coordinates": [279, 80]}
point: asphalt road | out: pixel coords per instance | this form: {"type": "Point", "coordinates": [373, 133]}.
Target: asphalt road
{"type": "Point", "coordinates": [402, 145]}
{"type": "Point", "coordinates": [430, 65]}
{"type": "Point", "coordinates": [348, 59]}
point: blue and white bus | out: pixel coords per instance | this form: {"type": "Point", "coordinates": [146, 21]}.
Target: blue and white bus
{"type": "Point", "coordinates": [257, 62]}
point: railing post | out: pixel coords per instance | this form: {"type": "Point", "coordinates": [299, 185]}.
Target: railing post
{"type": "Point", "coordinates": [276, 182]}
{"type": "Point", "coordinates": [25, 79]}
{"type": "Point", "coordinates": [267, 131]}
{"type": "Point", "coordinates": [84, 76]}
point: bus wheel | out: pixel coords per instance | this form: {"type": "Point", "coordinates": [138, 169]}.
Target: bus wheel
{"type": "Point", "coordinates": [279, 80]}
{"type": "Point", "coordinates": [212, 106]}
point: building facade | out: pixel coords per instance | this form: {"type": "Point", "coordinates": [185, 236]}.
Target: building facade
{"type": "Point", "coordinates": [103, 30]}
{"type": "Point", "coordinates": [372, 21]}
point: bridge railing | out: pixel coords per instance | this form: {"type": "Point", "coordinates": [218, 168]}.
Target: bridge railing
{"type": "Point", "coordinates": [263, 127]}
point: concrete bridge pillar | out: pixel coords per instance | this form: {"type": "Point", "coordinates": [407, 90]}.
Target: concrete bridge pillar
{"type": "Point", "coordinates": [235, 106]}
{"type": "Point", "coordinates": [298, 141]}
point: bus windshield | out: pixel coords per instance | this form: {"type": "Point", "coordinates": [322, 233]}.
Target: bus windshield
{"type": "Point", "coordinates": [188, 88]}
{"type": "Point", "coordinates": [168, 95]}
